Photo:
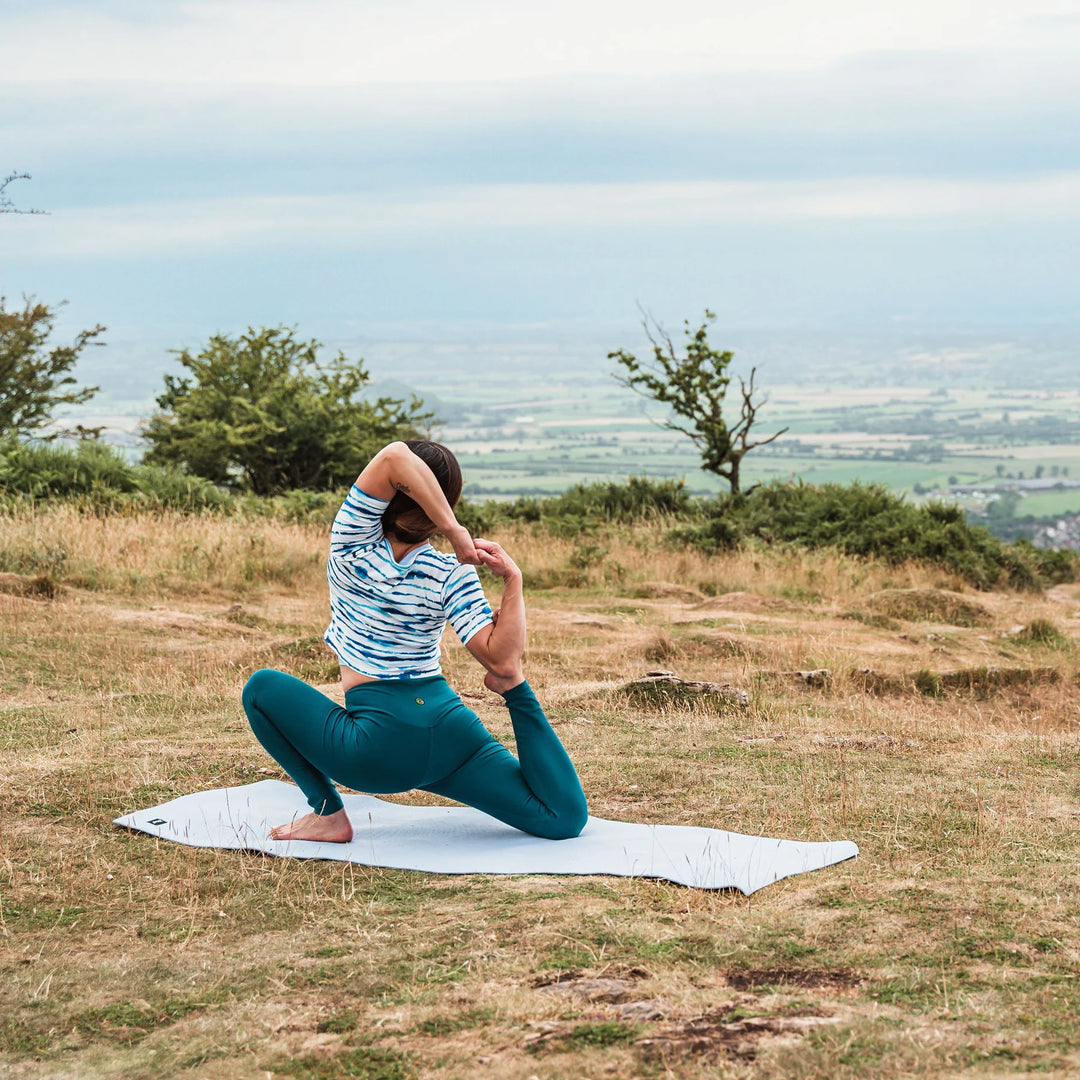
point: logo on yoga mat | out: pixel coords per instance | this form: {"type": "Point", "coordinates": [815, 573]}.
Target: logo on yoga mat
{"type": "Point", "coordinates": [158, 821]}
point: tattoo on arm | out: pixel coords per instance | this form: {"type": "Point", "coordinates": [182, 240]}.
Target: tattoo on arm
{"type": "Point", "coordinates": [403, 488]}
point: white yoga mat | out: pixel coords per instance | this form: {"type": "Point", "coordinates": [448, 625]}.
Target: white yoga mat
{"type": "Point", "coordinates": [461, 840]}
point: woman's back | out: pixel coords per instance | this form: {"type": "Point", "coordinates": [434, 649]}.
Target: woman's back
{"type": "Point", "coordinates": [387, 617]}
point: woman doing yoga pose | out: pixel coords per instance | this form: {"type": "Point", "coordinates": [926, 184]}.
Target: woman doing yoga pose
{"type": "Point", "coordinates": [402, 727]}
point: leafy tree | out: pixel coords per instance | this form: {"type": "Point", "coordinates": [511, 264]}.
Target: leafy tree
{"type": "Point", "coordinates": [35, 380]}
{"type": "Point", "coordinates": [259, 412]}
{"type": "Point", "coordinates": [694, 387]}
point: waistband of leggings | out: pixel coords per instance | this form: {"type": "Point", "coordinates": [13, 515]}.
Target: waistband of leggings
{"type": "Point", "coordinates": [401, 686]}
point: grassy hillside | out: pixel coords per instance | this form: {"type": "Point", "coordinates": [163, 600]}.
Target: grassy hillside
{"type": "Point", "coordinates": [944, 740]}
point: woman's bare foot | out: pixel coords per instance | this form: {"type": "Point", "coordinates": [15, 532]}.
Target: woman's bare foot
{"type": "Point", "coordinates": [329, 829]}
{"type": "Point", "coordinates": [501, 683]}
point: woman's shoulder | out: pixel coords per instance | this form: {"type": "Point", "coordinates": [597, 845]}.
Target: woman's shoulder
{"type": "Point", "coordinates": [358, 498]}
{"type": "Point", "coordinates": [445, 567]}
{"type": "Point", "coordinates": [443, 560]}
{"type": "Point", "coordinates": [359, 520]}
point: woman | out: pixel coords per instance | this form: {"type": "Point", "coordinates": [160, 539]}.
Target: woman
{"type": "Point", "coordinates": [402, 727]}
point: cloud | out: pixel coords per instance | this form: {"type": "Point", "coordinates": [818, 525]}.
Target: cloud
{"type": "Point", "coordinates": [372, 220]}
{"type": "Point", "coordinates": [578, 136]}
{"type": "Point", "coordinates": [342, 43]}
{"type": "Point", "coordinates": [905, 115]}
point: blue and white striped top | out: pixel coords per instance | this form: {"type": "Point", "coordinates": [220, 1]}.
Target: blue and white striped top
{"type": "Point", "coordinates": [387, 617]}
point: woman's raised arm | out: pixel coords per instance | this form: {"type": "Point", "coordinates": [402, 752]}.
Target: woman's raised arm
{"type": "Point", "coordinates": [395, 468]}
{"type": "Point", "coordinates": [499, 647]}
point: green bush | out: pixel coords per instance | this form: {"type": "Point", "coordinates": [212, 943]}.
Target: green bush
{"type": "Point", "coordinates": [478, 518]}
{"type": "Point", "coordinates": [49, 470]}
{"type": "Point", "coordinates": [870, 520]}
{"type": "Point", "coordinates": [857, 519]}
{"type": "Point", "coordinates": [1043, 632]}
{"type": "Point", "coordinates": [606, 501]}
{"type": "Point", "coordinates": [97, 477]}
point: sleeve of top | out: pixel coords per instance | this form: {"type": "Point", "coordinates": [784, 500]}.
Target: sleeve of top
{"type": "Point", "coordinates": [464, 603]}
{"type": "Point", "coordinates": [359, 521]}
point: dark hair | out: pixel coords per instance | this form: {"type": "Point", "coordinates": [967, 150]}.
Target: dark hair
{"type": "Point", "coordinates": [403, 519]}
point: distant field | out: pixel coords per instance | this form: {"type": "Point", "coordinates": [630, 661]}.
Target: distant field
{"type": "Point", "coordinates": [1050, 503]}
{"type": "Point", "coordinates": [546, 438]}
{"type": "Point", "coordinates": [536, 418]}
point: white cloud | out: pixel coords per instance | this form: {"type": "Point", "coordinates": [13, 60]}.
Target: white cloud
{"type": "Point", "coordinates": [343, 42]}
{"type": "Point", "coordinates": [334, 222]}
{"type": "Point", "coordinates": [952, 110]}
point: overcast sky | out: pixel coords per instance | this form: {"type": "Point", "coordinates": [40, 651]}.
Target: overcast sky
{"type": "Point", "coordinates": [390, 166]}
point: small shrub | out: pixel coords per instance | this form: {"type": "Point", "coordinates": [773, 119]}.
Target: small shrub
{"type": "Point", "coordinates": [42, 585]}
{"type": "Point", "coordinates": [606, 502]}
{"type": "Point", "coordinates": [928, 683]}
{"type": "Point", "coordinates": [1043, 632]}
{"type": "Point", "coordinates": [985, 681]}
{"type": "Point", "coordinates": [663, 649]}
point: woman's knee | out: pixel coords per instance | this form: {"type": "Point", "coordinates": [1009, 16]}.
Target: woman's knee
{"type": "Point", "coordinates": [567, 824]}
{"type": "Point", "coordinates": [256, 688]}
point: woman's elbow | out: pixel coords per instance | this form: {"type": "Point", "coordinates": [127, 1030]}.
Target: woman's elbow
{"type": "Point", "coordinates": [502, 668]}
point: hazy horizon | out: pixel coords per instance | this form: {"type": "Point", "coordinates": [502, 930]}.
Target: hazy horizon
{"type": "Point", "coordinates": [416, 171]}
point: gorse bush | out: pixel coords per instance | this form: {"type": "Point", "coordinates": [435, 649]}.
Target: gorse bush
{"type": "Point", "coordinates": [97, 477]}
{"type": "Point", "coordinates": [50, 470]}
{"type": "Point", "coordinates": [856, 519]}
{"type": "Point", "coordinates": [870, 520]}
{"type": "Point", "coordinates": [606, 501]}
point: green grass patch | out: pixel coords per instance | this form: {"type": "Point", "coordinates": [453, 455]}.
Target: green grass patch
{"type": "Point", "coordinates": [129, 1022]}
{"type": "Point", "coordinates": [599, 1034]}
{"type": "Point", "coordinates": [449, 1023]}
{"type": "Point", "coordinates": [361, 1063]}
{"type": "Point", "coordinates": [1043, 633]}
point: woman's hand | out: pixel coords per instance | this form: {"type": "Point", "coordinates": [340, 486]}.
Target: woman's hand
{"type": "Point", "coordinates": [463, 545]}
{"type": "Point", "coordinates": [496, 560]}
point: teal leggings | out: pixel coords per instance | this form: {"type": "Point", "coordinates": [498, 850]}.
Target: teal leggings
{"type": "Point", "coordinates": [400, 734]}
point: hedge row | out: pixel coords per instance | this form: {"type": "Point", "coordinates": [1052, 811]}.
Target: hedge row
{"type": "Point", "coordinates": [858, 519]}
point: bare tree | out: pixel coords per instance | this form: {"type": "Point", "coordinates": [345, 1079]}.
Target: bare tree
{"type": "Point", "coordinates": [6, 205]}
{"type": "Point", "coordinates": [694, 387]}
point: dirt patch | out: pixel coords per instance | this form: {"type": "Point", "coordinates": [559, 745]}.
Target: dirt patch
{"type": "Point", "coordinates": [611, 990]}
{"type": "Point", "coordinates": [159, 618]}
{"type": "Point", "coordinates": [666, 590]}
{"type": "Point", "coordinates": [812, 979]}
{"type": "Point", "coordinates": [726, 1034]}
{"type": "Point", "coordinates": [570, 978]}
{"type": "Point", "coordinates": [748, 601]}
{"type": "Point", "coordinates": [922, 605]}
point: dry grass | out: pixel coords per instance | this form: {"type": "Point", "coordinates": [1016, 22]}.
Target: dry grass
{"type": "Point", "coordinates": [948, 753]}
